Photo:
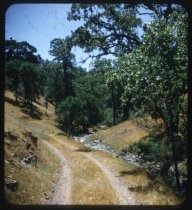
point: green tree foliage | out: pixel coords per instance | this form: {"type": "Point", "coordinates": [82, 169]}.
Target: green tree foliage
{"type": "Point", "coordinates": [29, 75]}
{"type": "Point", "coordinates": [53, 85]}
{"type": "Point", "coordinates": [92, 104]}
{"type": "Point", "coordinates": [22, 75]}
{"type": "Point", "coordinates": [61, 50]}
{"type": "Point", "coordinates": [89, 87]}
{"type": "Point", "coordinates": [156, 76]}
{"type": "Point", "coordinates": [112, 28]}
{"type": "Point", "coordinates": [108, 28]}
{"type": "Point", "coordinates": [70, 114]}
{"type": "Point", "coordinates": [12, 78]}
{"type": "Point", "coordinates": [21, 51]}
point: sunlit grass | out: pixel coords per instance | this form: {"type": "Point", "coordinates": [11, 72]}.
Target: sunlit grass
{"type": "Point", "coordinates": [146, 190]}
{"type": "Point", "coordinates": [122, 135]}
{"type": "Point", "coordinates": [33, 182]}
{"type": "Point", "coordinates": [90, 186]}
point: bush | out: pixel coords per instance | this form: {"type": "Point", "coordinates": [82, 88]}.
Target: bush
{"type": "Point", "coordinates": [153, 149]}
{"type": "Point", "coordinates": [108, 116]}
{"type": "Point", "coordinates": [70, 114]}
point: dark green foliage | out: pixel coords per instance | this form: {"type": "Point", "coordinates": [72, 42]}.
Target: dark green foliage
{"type": "Point", "coordinates": [154, 149]}
{"type": "Point", "coordinates": [108, 116]}
{"type": "Point", "coordinates": [29, 82]}
{"type": "Point", "coordinates": [12, 76]}
{"type": "Point", "coordinates": [110, 28]}
{"type": "Point", "coordinates": [89, 90]}
{"type": "Point", "coordinates": [21, 51]}
{"type": "Point", "coordinates": [23, 78]}
{"type": "Point", "coordinates": [70, 114]}
{"type": "Point", "coordinates": [157, 150]}
{"type": "Point", "coordinates": [61, 50]}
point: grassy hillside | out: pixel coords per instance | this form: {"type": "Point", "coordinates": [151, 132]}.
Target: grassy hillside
{"type": "Point", "coordinates": [31, 169]}
{"type": "Point", "coordinates": [121, 136]}
{"type": "Point", "coordinates": [29, 166]}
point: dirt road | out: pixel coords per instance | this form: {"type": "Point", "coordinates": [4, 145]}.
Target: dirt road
{"type": "Point", "coordinates": [62, 191]}
{"type": "Point", "coordinates": [63, 188]}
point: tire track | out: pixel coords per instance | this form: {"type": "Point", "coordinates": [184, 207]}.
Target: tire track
{"type": "Point", "coordinates": [62, 194]}
{"type": "Point", "coordinates": [119, 187]}
{"type": "Point", "coordinates": [117, 184]}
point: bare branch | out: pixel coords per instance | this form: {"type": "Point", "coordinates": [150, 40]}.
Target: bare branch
{"type": "Point", "coordinates": [98, 56]}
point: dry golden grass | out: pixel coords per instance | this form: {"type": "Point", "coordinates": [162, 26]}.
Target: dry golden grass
{"type": "Point", "coordinates": [146, 190]}
{"type": "Point", "coordinates": [89, 185]}
{"type": "Point", "coordinates": [122, 135]}
{"type": "Point", "coordinates": [33, 182]}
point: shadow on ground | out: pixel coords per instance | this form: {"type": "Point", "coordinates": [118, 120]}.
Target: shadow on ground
{"type": "Point", "coordinates": [131, 172]}
{"type": "Point", "coordinates": [34, 114]}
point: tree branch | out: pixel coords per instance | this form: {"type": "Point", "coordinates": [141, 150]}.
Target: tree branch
{"type": "Point", "coordinates": [98, 56]}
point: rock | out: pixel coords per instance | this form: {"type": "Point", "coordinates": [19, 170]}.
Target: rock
{"type": "Point", "coordinates": [31, 159]}
{"type": "Point", "coordinates": [6, 141]}
{"type": "Point", "coordinates": [160, 189]}
{"type": "Point", "coordinates": [10, 135]}
{"type": "Point", "coordinates": [24, 165]}
{"type": "Point", "coordinates": [103, 127]}
{"type": "Point", "coordinates": [46, 196]}
{"type": "Point", "coordinates": [28, 145]}
{"type": "Point", "coordinates": [11, 184]}
{"type": "Point", "coordinates": [34, 139]}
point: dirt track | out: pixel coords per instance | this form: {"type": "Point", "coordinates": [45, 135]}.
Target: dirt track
{"type": "Point", "coordinates": [118, 186]}
{"type": "Point", "coordinates": [62, 194]}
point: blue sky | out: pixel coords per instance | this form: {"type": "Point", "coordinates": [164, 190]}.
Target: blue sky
{"type": "Point", "coordinates": [38, 24]}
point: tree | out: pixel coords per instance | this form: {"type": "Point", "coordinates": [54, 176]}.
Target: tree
{"type": "Point", "coordinates": [12, 75]}
{"type": "Point", "coordinates": [112, 28]}
{"type": "Point", "coordinates": [157, 76]}
{"type": "Point", "coordinates": [70, 114]}
{"type": "Point", "coordinates": [108, 28]}
{"type": "Point", "coordinates": [89, 87]}
{"type": "Point", "coordinates": [21, 51]}
{"type": "Point", "coordinates": [53, 87]}
{"type": "Point", "coordinates": [30, 83]}
{"type": "Point", "coordinates": [115, 87]}
{"type": "Point", "coordinates": [61, 49]}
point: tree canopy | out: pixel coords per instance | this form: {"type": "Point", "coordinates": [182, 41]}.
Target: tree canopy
{"type": "Point", "coordinates": [21, 51]}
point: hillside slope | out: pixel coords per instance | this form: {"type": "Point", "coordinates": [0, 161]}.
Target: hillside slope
{"type": "Point", "coordinates": [27, 160]}
{"type": "Point", "coordinates": [44, 166]}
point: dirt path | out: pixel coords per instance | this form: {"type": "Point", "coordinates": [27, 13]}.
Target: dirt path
{"type": "Point", "coordinates": [118, 186]}
{"type": "Point", "coordinates": [62, 194]}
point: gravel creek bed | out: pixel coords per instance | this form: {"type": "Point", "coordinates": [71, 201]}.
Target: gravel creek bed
{"type": "Point", "coordinates": [98, 144]}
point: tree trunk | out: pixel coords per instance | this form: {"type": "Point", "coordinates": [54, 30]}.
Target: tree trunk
{"type": "Point", "coordinates": [114, 105]}
{"type": "Point", "coordinates": [31, 106]}
{"type": "Point", "coordinates": [65, 79]}
{"type": "Point", "coordinates": [172, 130]}
{"type": "Point", "coordinates": [126, 111]}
